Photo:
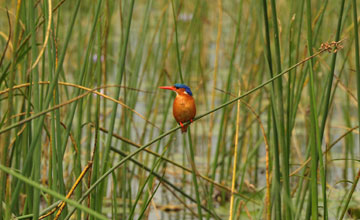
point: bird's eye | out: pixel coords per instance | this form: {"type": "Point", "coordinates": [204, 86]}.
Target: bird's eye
{"type": "Point", "coordinates": [176, 87]}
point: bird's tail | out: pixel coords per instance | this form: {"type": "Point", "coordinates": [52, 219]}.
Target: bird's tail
{"type": "Point", "coordinates": [184, 128]}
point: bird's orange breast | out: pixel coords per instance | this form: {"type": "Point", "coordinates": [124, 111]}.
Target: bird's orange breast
{"type": "Point", "coordinates": [184, 108]}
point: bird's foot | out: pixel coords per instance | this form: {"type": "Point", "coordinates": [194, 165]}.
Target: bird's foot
{"type": "Point", "coordinates": [191, 120]}
{"type": "Point", "coordinates": [181, 124]}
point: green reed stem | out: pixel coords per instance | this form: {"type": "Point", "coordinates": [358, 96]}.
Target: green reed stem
{"type": "Point", "coordinates": [194, 176]}
{"type": "Point", "coordinates": [125, 159]}
{"type": "Point", "coordinates": [192, 162]}
{"type": "Point", "coordinates": [178, 57]}
{"type": "Point", "coordinates": [51, 192]}
{"type": "Point", "coordinates": [316, 151]}
{"type": "Point", "coordinates": [118, 81]}
{"type": "Point", "coordinates": [276, 191]}
{"type": "Point", "coordinates": [36, 103]}
{"type": "Point", "coordinates": [4, 149]}
{"type": "Point", "coordinates": [37, 130]}
{"type": "Point", "coordinates": [357, 67]}
{"type": "Point", "coordinates": [284, 146]}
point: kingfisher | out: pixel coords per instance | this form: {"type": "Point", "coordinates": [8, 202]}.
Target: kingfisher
{"type": "Point", "coordinates": [184, 108]}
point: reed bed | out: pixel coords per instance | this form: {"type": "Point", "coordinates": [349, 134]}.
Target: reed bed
{"type": "Point", "coordinates": [85, 132]}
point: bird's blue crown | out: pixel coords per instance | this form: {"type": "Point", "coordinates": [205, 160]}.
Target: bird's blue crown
{"type": "Point", "coordinates": [187, 89]}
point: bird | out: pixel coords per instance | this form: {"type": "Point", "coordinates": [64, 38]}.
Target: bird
{"type": "Point", "coordinates": [184, 108]}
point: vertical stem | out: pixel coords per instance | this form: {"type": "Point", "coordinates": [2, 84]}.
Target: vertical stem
{"type": "Point", "coordinates": [34, 74]}
{"type": "Point", "coordinates": [331, 74]}
{"type": "Point", "coordinates": [7, 136]}
{"type": "Point", "coordinates": [224, 111]}
{"type": "Point", "coordinates": [315, 144]}
{"type": "Point", "coordinates": [357, 67]}
{"type": "Point", "coordinates": [192, 155]}
{"type": "Point", "coordinates": [117, 95]}
{"type": "Point", "coordinates": [276, 186]}
{"type": "Point", "coordinates": [357, 55]}
{"type": "Point", "coordinates": [280, 118]}
{"type": "Point", "coordinates": [177, 42]}
{"type": "Point", "coordinates": [218, 37]}
{"type": "Point", "coordinates": [194, 171]}
{"type": "Point", "coordinates": [49, 97]}
{"type": "Point", "coordinates": [235, 161]}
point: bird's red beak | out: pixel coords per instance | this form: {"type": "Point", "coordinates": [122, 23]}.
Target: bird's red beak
{"type": "Point", "coordinates": [167, 87]}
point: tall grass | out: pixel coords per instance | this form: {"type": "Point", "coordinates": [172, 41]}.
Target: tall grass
{"type": "Point", "coordinates": [85, 132]}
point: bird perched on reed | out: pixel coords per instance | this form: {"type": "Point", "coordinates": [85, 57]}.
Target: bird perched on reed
{"type": "Point", "coordinates": [184, 108]}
